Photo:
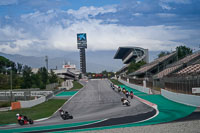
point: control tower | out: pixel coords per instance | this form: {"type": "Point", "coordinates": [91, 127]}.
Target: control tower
{"type": "Point", "coordinates": [82, 45]}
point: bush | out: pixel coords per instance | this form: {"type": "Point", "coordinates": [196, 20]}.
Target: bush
{"type": "Point", "coordinates": [4, 104]}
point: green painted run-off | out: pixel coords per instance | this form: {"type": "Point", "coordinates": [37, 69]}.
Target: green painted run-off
{"type": "Point", "coordinates": [66, 93]}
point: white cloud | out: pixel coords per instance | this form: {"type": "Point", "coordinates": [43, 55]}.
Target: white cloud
{"type": "Point", "coordinates": [51, 31]}
{"type": "Point", "coordinates": [84, 12]}
{"type": "Point", "coordinates": [100, 37]}
{"type": "Point", "coordinates": [137, 14]}
{"type": "Point", "coordinates": [39, 17]}
{"type": "Point", "coordinates": [111, 36]}
{"type": "Point", "coordinates": [166, 15]}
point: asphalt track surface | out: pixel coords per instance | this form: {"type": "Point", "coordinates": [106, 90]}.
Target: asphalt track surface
{"type": "Point", "coordinates": [96, 101]}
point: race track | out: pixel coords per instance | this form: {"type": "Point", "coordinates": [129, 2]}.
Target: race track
{"type": "Point", "coordinates": [96, 102]}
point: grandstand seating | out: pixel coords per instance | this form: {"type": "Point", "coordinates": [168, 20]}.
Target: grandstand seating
{"type": "Point", "coordinates": [167, 71]}
{"type": "Point", "coordinates": [190, 69]}
{"type": "Point", "coordinates": [153, 64]}
{"type": "Point", "coordinates": [177, 65]}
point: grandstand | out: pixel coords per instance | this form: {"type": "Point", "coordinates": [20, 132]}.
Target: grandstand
{"type": "Point", "coordinates": [155, 67]}
{"type": "Point", "coordinates": [131, 54]}
{"type": "Point", "coordinates": [178, 65]}
{"type": "Point", "coordinates": [192, 69]}
{"type": "Point", "coordinates": [165, 72]}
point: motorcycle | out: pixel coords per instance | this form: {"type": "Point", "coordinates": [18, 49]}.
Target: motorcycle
{"type": "Point", "coordinates": [23, 120]}
{"type": "Point", "coordinates": [65, 115]}
{"type": "Point", "coordinates": [131, 96]}
{"type": "Point", "coordinates": [125, 102]}
{"type": "Point", "coordinates": [127, 94]}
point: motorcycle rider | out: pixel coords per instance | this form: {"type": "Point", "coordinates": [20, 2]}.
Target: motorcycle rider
{"type": "Point", "coordinates": [21, 117]}
{"type": "Point", "coordinates": [119, 89]}
{"type": "Point", "coordinates": [127, 94]}
{"type": "Point", "coordinates": [62, 112]}
{"type": "Point", "coordinates": [65, 115]}
{"type": "Point", "coordinates": [124, 90]}
{"type": "Point", "coordinates": [124, 101]}
{"type": "Point", "coordinates": [131, 94]}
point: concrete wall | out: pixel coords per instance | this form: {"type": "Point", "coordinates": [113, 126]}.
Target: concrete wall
{"type": "Point", "coordinates": [191, 100]}
{"type": "Point", "coordinates": [31, 103]}
{"type": "Point", "coordinates": [67, 84]}
{"type": "Point", "coordinates": [137, 87]}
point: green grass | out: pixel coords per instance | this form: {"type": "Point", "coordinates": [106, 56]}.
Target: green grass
{"type": "Point", "coordinates": [43, 110]}
{"type": "Point", "coordinates": [76, 86]}
{"type": "Point", "coordinates": [116, 82]}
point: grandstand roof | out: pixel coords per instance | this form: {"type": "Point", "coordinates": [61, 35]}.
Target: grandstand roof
{"type": "Point", "coordinates": [153, 64]}
{"type": "Point", "coordinates": [177, 65]}
{"type": "Point", "coordinates": [128, 54]}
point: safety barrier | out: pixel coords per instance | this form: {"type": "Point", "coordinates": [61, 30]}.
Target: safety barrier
{"type": "Point", "coordinates": [137, 87]}
{"type": "Point", "coordinates": [186, 99]}
{"type": "Point", "coordinates": [31, 103]}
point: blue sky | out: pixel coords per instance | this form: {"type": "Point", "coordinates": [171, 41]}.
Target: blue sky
{"type": "Point", "coordinates": [34, 27]}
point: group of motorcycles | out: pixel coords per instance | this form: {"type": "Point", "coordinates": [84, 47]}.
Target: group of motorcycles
{"type": "Point", "coordinates": [125, 92]}
{"type": "Point", "coordinates": [23, 120]}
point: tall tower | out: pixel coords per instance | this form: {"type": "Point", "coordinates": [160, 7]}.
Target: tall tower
{"type": "Point", "coordinates": [82, 45]}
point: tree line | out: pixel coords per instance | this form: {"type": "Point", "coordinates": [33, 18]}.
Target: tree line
{"type": "Point", "coordinates": [22, 76]}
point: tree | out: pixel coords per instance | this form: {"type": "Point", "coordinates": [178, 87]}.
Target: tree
{"type": "Point", "coordinates": [183, 51]}
{"type": "Point", "coordinates": [19, 68]}
{"type": "Point", "coordinates": [27, 80]}
{"type": "Point", "coordinates": [53, 77]}
{"type": "Point", "coordinates": [135, 66]}
{"type": "Point", "coordinates": [163, 53]}
{"type": "Point", "coordinates": [5, 64]}
{"type": "Point", "coordinates": [43, 74]}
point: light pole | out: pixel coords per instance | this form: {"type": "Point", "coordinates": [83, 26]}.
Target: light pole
{"type": "Point", "coordinates": [11, 85]}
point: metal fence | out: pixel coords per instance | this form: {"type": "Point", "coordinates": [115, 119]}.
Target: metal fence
{"type": "Point", "coordinates": [182, 83]}
{"type": "Point", "coordinates": [136, 81]}
{"type": "Point", "coordinates": [175, 83]}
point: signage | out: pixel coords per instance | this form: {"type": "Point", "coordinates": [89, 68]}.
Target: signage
{"type": "Point", "coordinates": [81, 40]}
{"type": "Point", "coordinates": [195, 90]}
{"type": "Point", "coordinates": [69, 66]}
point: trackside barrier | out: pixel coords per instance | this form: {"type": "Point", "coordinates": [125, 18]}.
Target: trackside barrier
{"type": "Point", "coordinates": [137, 87]}
{"type": "Point", "coordinates": [15, 105]}
{"type": "Point", "coordinates": [31, 103]}
{"type": "Point", "coordinates": [186, 99]}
